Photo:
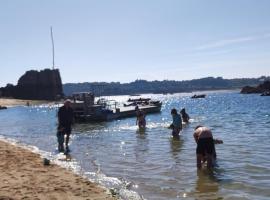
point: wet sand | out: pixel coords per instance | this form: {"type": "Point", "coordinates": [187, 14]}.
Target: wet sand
{"type": "Point", "coordinates": [20, 102]}
{"type": "Point", "coordinates": [24, 176]}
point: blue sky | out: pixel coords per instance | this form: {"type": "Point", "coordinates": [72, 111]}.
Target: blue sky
{"type": "Point", "coordinates": [124, 40]}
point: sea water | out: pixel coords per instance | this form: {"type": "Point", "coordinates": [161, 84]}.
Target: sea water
{"type": "Point", "coordinates": [149, 164]}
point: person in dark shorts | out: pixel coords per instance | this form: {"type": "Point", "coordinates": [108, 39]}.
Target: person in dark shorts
{"type": "Point", "coordinates": [65, 120]}
{"type": "Point", "coordinates": [205, 150]}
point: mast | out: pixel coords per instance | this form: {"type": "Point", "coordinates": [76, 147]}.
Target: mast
{"type": "Point", "coordinates": [52, 47]}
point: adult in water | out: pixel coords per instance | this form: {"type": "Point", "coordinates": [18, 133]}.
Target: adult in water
{"type": "Point", "coordinates": [185, 116]}
{"type": "Point", "coordinates": [65, 120]}
{"type": "Point", "coordinates": [205, 150]}
{"type": "Point", "coordinates": [176, 125]}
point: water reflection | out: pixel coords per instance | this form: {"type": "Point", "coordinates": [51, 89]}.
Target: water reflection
{"type": "Point", "coordinates": [141, 132]}
{"type": "Point", "coordinates": [176, 145]}
{"type": "Point", "coordinates": [207, 185]}
{"type": "Point", "coordinates": [89, 127]}
{"type": "Point", "coordinates": [159, 167]}
{"type": "Point", "coordinates": [142, 145]}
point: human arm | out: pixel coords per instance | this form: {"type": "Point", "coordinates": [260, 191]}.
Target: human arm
{"type": "Point", "coordinates": [196, 135]}
{"type": "Point", "coordinates": [196, 138]}
{"type": "Point", "coordinates": [217, 141]}
{"type": "Point", "coordinates": [181, 125]}
{"type": "Point", "coordinates": [59, 115]}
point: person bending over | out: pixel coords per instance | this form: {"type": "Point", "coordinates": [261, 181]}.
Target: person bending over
{"type": "Point", "coordinates": [205, 150]}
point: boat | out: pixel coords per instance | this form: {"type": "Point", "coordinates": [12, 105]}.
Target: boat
{"type": "Point", "coordinates": [142, 102]}
{"type": "Point", "coordinates": [139, 100]}
{"type": "Point", "coordinates": [198, 96]}
{"type": "Point", "coordinates": [87, 109]}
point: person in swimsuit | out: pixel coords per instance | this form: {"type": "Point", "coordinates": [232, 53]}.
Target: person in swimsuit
{"type": "Point", "coordinates": [140, 121]}
{"type": "Point", "coordinates": [205, 150]}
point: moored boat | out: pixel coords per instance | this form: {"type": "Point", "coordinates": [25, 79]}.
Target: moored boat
{"type": "Point", "coordinates": [198, 96]}
{"type": "Point", "coordinates": [87, 110]}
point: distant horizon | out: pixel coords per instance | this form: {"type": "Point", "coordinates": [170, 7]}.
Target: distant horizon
{"type": "Point", "coordinates": [124, 40]}
{"type": "Point", "coordinates": [170, 79]}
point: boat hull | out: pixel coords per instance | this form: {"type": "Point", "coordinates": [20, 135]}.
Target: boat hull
{"type": "Point", "coordinates": [122, 113]}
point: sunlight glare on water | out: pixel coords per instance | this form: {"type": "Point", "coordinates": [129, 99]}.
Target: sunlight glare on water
{"type": "Point", "coordinates": [149, 164]}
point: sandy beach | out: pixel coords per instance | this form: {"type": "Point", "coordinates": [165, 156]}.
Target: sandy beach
{"type": "Point", "coordinates": [9, 102]}
{"type": "Point", "coordinates": [24, 176]}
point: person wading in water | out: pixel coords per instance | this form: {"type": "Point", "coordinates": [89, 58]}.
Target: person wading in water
{"type": "Point", "coordinates": [65, 120]}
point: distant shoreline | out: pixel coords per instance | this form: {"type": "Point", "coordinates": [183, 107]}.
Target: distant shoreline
{"type": "Point", "coordinates": [160, 87]}
{"type": "Point", "coordinates": [10, 102]}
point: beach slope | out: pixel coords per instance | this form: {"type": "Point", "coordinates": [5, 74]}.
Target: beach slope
{"type": "Point", "coordinates": [23, 176]}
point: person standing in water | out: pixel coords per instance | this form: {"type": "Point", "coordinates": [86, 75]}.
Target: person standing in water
{"type": "Point", "coordinates": [140, 121]}
{"type": "Point", "coordinates": [185, 116]}
{"type": "Point", "coordinates": [176, 125]}
{"type": "Point", "coordinates": [65, 120]}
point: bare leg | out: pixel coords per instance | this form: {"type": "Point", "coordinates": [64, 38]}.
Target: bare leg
{"type": "Point", "coordinates": [67, 140]}
{"type": "Point", "coordinates": [199, 161]}
{"type": "Point", "coordinates": [209, 161]}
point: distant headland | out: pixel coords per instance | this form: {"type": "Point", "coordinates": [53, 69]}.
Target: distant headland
{"type": "Point", "coordinates": [161, 87]}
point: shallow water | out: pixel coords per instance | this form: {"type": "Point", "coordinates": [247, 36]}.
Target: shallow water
{"type": "Point", "coordinates": [149, 164]}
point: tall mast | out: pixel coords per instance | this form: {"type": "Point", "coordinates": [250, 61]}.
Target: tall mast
{"type": "Point", "coordinates": [52, 47]}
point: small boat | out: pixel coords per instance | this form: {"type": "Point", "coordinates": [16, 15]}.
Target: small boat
{"type": "Point", "coordinates": [198, 96]}
{"type": "Point", "coordinates": [86, 109]}
{"type": "Point", "coordinates": [142, 102]}
{"type": "Point", "coordinates": [135, 95]}
{"type": "Point", "coordinates": [139, 100]}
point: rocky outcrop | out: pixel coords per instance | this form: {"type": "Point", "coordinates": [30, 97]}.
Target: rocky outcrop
{"type": "Point", "coordinates": [41, 85]}
{"type": "Point", "coordinates": [264, 87]}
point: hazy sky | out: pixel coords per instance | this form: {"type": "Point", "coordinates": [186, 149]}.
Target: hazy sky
{"type": "Point", "coordinates": [124, 40]}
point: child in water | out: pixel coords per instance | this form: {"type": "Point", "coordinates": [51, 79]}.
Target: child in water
{"type": "Point", "coordinates": [176, 126]}
{"type": "Point", "coordinates": [141, 122]}
{"type": "Point", "coordinates": [185, 116]}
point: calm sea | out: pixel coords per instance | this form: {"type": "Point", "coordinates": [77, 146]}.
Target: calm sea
{"type": "Point", "coordinates": [149, 164]}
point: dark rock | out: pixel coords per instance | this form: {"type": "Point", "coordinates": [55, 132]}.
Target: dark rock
{"type": "Point", "coordinates": [40, 85]}
{"type": "Point", "coordinates": [3, 107]}
{"type": "Point", "coordinates": [264, 87]}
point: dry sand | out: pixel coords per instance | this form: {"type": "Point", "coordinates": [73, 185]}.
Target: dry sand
{"type": "Point", "coordinates": [19, 102]}
{"type": "Point", "coordinates": [23, 176]}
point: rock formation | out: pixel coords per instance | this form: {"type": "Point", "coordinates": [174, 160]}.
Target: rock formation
{"type": "Point", "coordinates": [40, 85]}
{"type": "Point", "coordinates": [264, 87]}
